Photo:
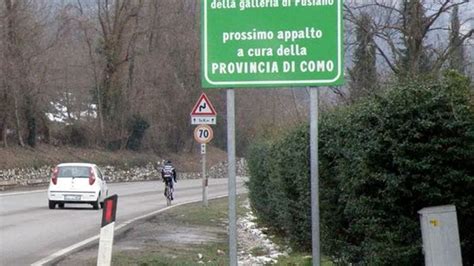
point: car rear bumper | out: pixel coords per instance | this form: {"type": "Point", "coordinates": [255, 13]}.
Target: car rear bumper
{"type": "Point", "coordinates": [73, 196]}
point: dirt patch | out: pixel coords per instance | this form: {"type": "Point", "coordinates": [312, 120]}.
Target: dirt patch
{"type": "Point", "coordinates": [158, 232]}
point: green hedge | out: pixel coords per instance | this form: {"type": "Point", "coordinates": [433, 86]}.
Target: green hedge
{"type": "Point", "coordinates": [279, 186]}
{"type": "Point", "coordinates": [380, 162]}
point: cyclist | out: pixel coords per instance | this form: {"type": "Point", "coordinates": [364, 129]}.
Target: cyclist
{"type": "Point", "coordinates": [168, 173]}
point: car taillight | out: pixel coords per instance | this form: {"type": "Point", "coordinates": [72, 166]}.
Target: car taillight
{"type": "Point", "coordinates": [54, 176]}
{"type": "Point", "coordinates": [91, 177]}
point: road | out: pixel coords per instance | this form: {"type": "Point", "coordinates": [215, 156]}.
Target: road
{"type": "Point", "coordinates": [29, 231]}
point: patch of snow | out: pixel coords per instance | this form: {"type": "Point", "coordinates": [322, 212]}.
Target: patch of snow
{"type": "Point", "coordinates": [61, 114]}
{"type": "Point", "coordinates": [56, 117]}
{"type": "Point", "coordinates": [252, 238]}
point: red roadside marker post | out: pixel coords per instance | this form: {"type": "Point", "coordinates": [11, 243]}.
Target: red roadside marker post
{"type": "Point", "coordinates": [106, 241]}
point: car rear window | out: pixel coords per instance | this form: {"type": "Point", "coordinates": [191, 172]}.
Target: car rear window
{"type": "Point", "coordinates": [74, 171]}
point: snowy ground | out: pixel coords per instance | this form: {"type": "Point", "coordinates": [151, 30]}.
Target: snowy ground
{"type": "Point", "coordinates": [252, 240]}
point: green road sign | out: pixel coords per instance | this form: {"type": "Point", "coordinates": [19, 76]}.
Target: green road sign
{"type": "Point", "coordinates": [273, 43]}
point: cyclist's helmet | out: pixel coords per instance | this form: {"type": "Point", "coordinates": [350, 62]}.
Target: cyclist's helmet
{"type": "Point", "coordinates": [168, 162]}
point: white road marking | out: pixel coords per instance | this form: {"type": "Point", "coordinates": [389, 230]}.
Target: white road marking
{"type": "Point", "coordinates": [71, 248]}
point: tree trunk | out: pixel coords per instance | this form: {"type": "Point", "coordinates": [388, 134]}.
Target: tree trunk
{"type": "Point", "coordinates": [99, 112]}
{"type": "Point", "coordinates": [12, 54]}
{"type": "Point", "coordinates": [4, 131]}
{"type": "Point", "coordinates": [4, 137]}
{"type": "Point", "coordinates": [295, 103]}
{"type": "Point", "coordinates": [17, 120]}
{"type": "Point", "coordinates": [96, 81]}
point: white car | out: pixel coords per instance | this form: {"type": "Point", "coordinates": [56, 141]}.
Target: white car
{"type": "Point", "coordinates": [77, 183]}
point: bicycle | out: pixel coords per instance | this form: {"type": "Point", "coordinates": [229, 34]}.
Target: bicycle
{"type": "Point", "coordinates": [168, 191]}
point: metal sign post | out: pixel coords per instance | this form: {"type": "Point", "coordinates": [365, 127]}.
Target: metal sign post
{"type": "Point", "coordinates": [203, 134]}
{"type": "Point", "coordinates": [314, 161]}
{"type": "Point", "coordinates": [204, 177]}
{"type": "Point", "coordinates": [232, 182]}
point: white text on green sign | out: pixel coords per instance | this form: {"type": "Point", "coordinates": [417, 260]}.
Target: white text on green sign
{"type": "Point", "coordinates": [251, 43]}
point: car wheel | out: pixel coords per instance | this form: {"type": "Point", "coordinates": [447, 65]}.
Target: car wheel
{"type": "Point", "coordinates": [61, 205]}
{"type": "Point", "coordinates": [52, 204]}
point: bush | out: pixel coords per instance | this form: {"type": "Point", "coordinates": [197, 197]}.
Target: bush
{"type": "Point", "coordinates": [258, 184]}
{"type": "Point", "coordinates": [279, 185]}
{"type": "Point", "coordinates": [75, 134]}
{"type": "Point", "coordinates": [380, 162]}
{"type": "Point", "coordinates": [137, 125]}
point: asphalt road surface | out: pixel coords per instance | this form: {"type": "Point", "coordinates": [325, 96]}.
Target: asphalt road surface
{"type": "Point", "coordinates": [30, 232]}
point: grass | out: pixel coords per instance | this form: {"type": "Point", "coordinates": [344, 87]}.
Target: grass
{"type": "Point", "coordinates": [196, 214]}
{"type": "Point", "coordinates": [179, 257]}
{"type": "Point", "coordinates": [188, 216]}
{"type": "Point", "coordinates": [301, 259]}
{"type": "Point", "coordinates": [42, 155]}
{"type": "Point", "coordinates": [48, 155]}
{"type": "Point", "coordinates": [150, 247]}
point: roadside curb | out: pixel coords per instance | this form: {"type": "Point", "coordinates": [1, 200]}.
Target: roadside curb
{"type": "Point", "coordinates": [120, 229]}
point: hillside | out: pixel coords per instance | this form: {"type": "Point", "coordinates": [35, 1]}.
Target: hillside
{"type": "Point", "coordinates": [42, 155]}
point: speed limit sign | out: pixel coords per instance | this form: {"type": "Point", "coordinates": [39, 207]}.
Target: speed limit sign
{"type": "Point", "coordinates": [203, 134]}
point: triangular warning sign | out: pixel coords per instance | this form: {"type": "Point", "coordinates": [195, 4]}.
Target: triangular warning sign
{"type": "Point", "coordinates": [203, 107]}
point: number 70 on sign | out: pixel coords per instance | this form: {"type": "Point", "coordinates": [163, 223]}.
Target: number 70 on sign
{"type": "Point", "coordinates": [203, 134]}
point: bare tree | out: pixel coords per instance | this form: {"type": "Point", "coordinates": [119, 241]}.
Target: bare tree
{"type": "Point", "coordinates": [363, 75]}
{"type": "Point", "coordinates": [456, 58]}
{"type": "Point", "coordinates": [124, 60]}
{"type": "Point", "coordinates": [27, 34]}
{"type": "Point", "coordinates": [4, 93]}
{"type": "Point", "coordinates": [87, 28]}
{"type": "Point", "coordinates": [13, 60]}
{"type": "Point", "coordinates": [115, 18]}
{"type": "Point", "coordinates": [401, 31]}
